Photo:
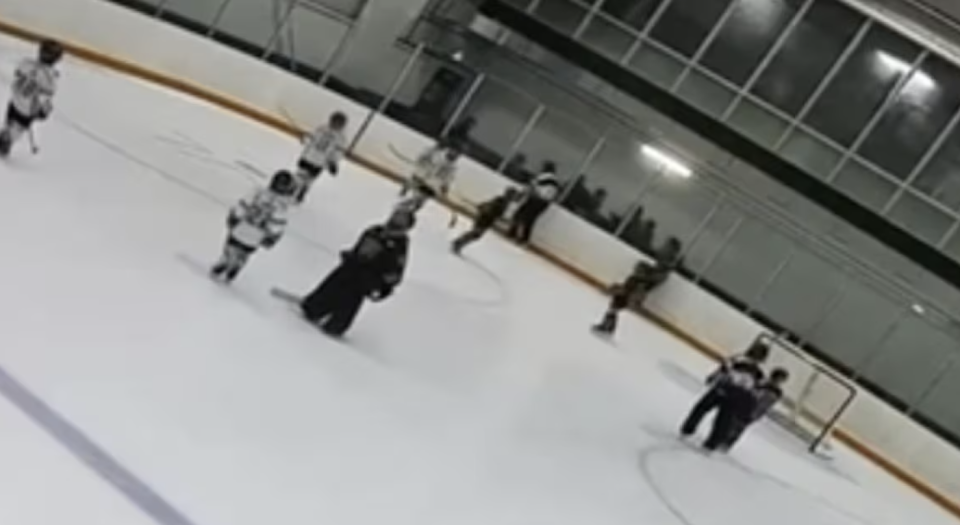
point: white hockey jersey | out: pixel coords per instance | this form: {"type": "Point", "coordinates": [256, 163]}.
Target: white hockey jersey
{"type": "Point", "coordinates": [34, 86]}
{"type": "Point", "coordinates": [545, 187]}
{"type": "Point", "coordinates": [434, 170]}
{"type": "Point", "coordinates": [259, 216]}
{"type": "Point", "coordinates": [323, 147]}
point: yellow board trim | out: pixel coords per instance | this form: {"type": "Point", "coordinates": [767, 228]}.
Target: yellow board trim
{"type": "Point", "coordinates": [279, 123]}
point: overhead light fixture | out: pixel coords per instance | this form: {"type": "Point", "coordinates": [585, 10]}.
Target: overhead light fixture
{"type": "Point", "coordinates": [918, 309]}
{"type": "Point", "coordinates": [919, 81]}
{"type": "Point", "coordinates": [670, 165]}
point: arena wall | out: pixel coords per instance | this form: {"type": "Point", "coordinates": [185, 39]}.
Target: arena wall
{"type": "Point", "coordinates": [137, 45]}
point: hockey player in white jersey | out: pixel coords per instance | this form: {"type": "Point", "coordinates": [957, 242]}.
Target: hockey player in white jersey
{"type": "Point", "coordinates": [322, 151]}
{"type": "Point", "coordinates": [258, 220]}
{"type": "Point", "coordinates": [432, 177]}
{"type": "Point", "coordinates": [31, 99]}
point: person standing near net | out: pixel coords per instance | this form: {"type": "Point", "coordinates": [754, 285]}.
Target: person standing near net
{"type": "Point", "coordinates": [730, 394]}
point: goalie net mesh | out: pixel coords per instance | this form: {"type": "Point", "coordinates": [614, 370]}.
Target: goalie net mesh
{"type": "Point", "coordinates": [815, 397]}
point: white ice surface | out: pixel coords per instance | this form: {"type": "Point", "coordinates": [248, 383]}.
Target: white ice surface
{"type": "Point", "coordinates": [475, 396]}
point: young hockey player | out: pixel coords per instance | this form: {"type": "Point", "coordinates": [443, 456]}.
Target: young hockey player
{"type": "Point", "coordinates": [730, 393]}
{"type": "Point", "coordinates": [322, 151]}
{"type": "Point", "coordinates": [432, 177]}
{"type": "Point", "coordinates": [488, 213]}
{"type": "Point", "coordinates": [370, 270]}
{"type": "Point", "coordinates": [256, 221]}
{"type": "Point", "coordinates": [645, 278]}
{"type": "Point", "coordinates": [767, 394]}
{"type": "Point", "coordinates": [543, 190]}
{"type": "Point", "coordinates": [34, 85]}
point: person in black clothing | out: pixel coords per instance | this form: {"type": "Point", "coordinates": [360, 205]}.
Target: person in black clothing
{"type": "Point", "coordinates": [542, 191]}
{"type": "Point", "coordinates": [458, 136]}
{"type": "Point", "coordinates": [767, 394]}
{"type": "Point", "coordinates": [488, 213]}
{"type": "Point", "coordinates": [370, 270]}
{"type": "Point", "coordinates": [637, 286]}
{"type": "Point", "coordinates": [730, 394]}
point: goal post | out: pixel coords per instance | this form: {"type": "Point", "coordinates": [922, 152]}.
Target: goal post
{"type": "Point", "coordinates": [815, 397]}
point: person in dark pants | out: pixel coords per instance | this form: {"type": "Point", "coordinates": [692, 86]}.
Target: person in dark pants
{"type": "Point", "coordinates": [370, 270]}
{"type": "Point", "coordinates": [767, 394]}
{"type": "Point", "coordinates": [730, 395]}
{"type": "Point", "coordinates": [645, 278]}
{"type": "Point", "coordinates": [488, 213]}
{"type": "Point", "coordinates": [544, 188]}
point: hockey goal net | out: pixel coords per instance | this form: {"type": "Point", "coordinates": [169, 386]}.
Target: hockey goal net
{"type": "Point", "coordinates": [815, 398]}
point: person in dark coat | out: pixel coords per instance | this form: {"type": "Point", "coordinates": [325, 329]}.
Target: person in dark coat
{"type": "Point", "coordinates": [637, 286]}
{"type": "Point", "coordinates": [730, 394]}
{"type": "Point", "coordinates": [542, 191]}
{"type": "Point", "coordinates": [372, 269]}
{"type": "Point", "coordinates": [488, 213]}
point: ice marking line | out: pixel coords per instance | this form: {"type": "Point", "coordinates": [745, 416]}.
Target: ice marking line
{"type": "Point", "coordinates": [135, 490]}
{"type": "Point", "coordinates": [649, 452]}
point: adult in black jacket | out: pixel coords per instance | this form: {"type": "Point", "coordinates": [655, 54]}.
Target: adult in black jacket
{"type": "Point", "coordinates": [731, 394]}
{"type": "Point", "coordinates": [488, 213]}
{"type": "Point", "coordinates": [371, 269]}
{"type": "Point", "coordinates": [543, 190]}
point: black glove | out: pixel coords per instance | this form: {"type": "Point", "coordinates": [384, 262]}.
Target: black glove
{"type": "Point", "coordinates": [380, 294]}
{"type": "Point", "coordinates": [43, 113]}
{"type": "Point", "coordinates": [333, 168]}
{"type": "Point", "coordinates": [232, 221]}
{"type": "Point", "coordinates": [271, 241]}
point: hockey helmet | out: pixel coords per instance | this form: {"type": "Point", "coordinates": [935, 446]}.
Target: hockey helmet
{"type": "Point", "coordinates": [758, 351]}
{"type": "Point", "coordinates": [338, 120]}
{"type": "Point", "coordinates": [283, 183]}
{"type": "Point", "coordinates": [51, 51]}
{"type": "Point", "coordinates": [401, 221]}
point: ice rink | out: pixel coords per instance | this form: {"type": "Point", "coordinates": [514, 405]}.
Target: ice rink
{"type": "Point", "coordinates": [136, 391]}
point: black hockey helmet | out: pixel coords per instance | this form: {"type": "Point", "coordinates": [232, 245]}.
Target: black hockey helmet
{"type": "Point", "coordinates": [338, 120]}
{"type": "Point", "coordinates": [401, 221]}
{"type": "Point", "coordinates": [51, 51]}
{"type": "Point", "coordinates": [549, 166]}
{"type": "Point", "coordinates": [779, 375]}
{"type": "Point", "coordinates": [283, 183]}
{"type": "Point", "coordinates": [758, 351]}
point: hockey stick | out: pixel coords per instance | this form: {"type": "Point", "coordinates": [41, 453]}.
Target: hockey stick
{"type": "Point", "coordinates": [33, 141]}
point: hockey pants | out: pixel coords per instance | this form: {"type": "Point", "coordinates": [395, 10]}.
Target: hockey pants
{"type": "Point", "coordinates": [15, 126]}
{"type": "Point", "coordinates": [526, 218]}
{"type": "Point", "coordinates": [234, 258]}
{"type": "Point", "coordinates": [734, 409]}
{"type": "Point", "coordinates": [336, 301]}
{"type": "Point", "coordinates": [707, 403]}
{"type": "Point", "coordinates": [305, 180]}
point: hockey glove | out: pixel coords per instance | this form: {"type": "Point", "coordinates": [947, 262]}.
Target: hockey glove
{"type": "Point", "coordinates": [232, 220]}
{"type": "Point", "coordinates": [380, 294]}
{"type": "Point", "coordinates": [333, 168]}
{"type": "Point", "coordinates": [271, 241]}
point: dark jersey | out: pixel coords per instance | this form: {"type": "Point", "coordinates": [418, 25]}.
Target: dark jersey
{"type": "Point", "coordinates": [490, 211]}
{"type": "Point", "coordinates": [380, 257]}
